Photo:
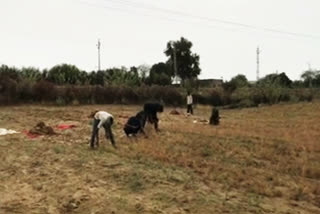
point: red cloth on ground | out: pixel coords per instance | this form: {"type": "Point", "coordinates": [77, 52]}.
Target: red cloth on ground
{"type": "Point", "coordinates": [64, 126]}
{"type": "Point", "coordinates": [30, 135]}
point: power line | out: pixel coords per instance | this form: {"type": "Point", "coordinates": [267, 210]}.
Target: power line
{"type": "Point", "coordinates": [221, 21]}
{"type": "Point", "coordinates": [148, 15]}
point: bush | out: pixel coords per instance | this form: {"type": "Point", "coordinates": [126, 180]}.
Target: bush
{"type": "Point", "coordinates": [8, 90]}
{"type": "Point", "coordinates": [12, 91]}
{"type": "Point", "coordinates": [25, 91]}
{"type": "Point", "coordinates": [303, 95]}
{"type": "Point", "coordinates": [128, 96]}
{"type": "Point", "coordinates": [213, 97]}
{"type": "Point", "coordinates": [60, 101]}
{"type": "Point", "coordinates": [44, 91]}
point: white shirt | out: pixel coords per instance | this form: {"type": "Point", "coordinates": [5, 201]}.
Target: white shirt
{"type": "Point", "coordinates": [189, 99]}
{"type": "Point", "coordinates": [103, 117]}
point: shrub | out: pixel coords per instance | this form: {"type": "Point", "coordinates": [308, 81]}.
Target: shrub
{"type": "Point", "coordinates": [25, 91]}
{"type": "Point", "coordinates": [128, 96]}
{"type": "Point", "coordinates": [44, 91]}
{"type": "Point", "coordinates": [60, 101]}
{"type": "Point", "coordinates": [8, 90]}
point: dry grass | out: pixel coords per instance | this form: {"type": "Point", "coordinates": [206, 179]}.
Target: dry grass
{"type": "Point", "coordinates": [258, 160]}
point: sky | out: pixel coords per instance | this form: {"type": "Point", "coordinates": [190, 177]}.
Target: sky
{"type": "Point", "coordinates": [225, 34]}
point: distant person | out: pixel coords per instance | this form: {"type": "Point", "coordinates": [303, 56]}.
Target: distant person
{"type": "Point", "coordinates": [105, 120]}
{"type": "Point", "coordinates": [189, 103]}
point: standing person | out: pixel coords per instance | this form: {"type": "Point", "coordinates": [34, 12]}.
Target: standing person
{"type": "Point", "coordinates": [189, 103]}
{"type": "Point", "coordinates": [105, 120]}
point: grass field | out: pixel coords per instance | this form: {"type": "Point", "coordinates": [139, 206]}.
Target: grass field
{"type": "Point", "coordinates": [258, 160]}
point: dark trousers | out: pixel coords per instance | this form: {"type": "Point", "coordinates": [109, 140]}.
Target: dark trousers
{"type": "Point", "coordinates": [153, 119]}
{"type": "Point", "coordinates": [189, 109]}
{"type": "Point", "coordinates": [95, 133]}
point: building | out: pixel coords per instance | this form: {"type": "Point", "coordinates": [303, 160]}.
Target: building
{"type": "Point", "coordinates": [210, 83]}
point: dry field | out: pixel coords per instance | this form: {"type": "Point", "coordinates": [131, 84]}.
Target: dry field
{"type": "Point", "coordinates": [259, 160]}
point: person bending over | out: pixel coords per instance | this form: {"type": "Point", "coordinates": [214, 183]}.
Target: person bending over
{"type": "Point", "coordinates": [133, 126]}
{"type": "Point", "coordinates": [151, 110]}
{"type": "Point", "coordinates": [105, 120]}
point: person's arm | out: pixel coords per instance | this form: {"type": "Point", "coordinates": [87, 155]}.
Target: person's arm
{"type": "Point", "coordinates": [102, 121]}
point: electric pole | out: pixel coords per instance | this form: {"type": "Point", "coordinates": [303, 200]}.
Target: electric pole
{"type": "Point", "coordinates": [258, 62]}
{"type": "Point", "coordinates": [98, 46]}
{"type": "Point", "coordinates": [174, 62]}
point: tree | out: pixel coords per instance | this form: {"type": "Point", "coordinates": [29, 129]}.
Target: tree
{"type": "Point", "coordinates": [144, 71]}
{"type": "Point", "coordinates": [64, 74]}
{"type": "Point", "coordinates": [187, 63]}
{"type": "Point", "coordinates": [31, 74]}
{"type": "Point", "coordinates": [160, 74]}
{"type": "Point", "coordinates": [10, 72]}
{"type": "Point", "coordinates": [280, 80]}
{"type": "Point", "coordinates": [238, 81]}
{"type": "Point", "coordinates": [309, 77]}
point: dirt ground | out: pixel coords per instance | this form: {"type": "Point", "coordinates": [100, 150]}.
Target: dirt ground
{"type": "Point", "coordinates": [258, 160]}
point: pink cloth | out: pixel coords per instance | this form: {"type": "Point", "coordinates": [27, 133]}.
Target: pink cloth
{"type": "Point", "coordinates": [64, 126]}
{"type": "Point", "coordinates": [30, 135]}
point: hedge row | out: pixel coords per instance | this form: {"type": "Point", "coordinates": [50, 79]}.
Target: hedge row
{"type": "Point", "coordinates": [46, 92]}
{"type": "Point", "coordinates": [12, 92]}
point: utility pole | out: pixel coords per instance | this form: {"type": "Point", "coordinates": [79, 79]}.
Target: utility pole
{"type": "Point", "coordinates": [174, 62]}
{"type": "Point", "coordinates": [258, 62]}
{"type": "Point", "coordinates": [98, 46]}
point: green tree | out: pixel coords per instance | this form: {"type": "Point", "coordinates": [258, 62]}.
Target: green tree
{"type": "Point", "coordinates": [309, 77]}
{"type": "Point", "coordinates": [31, 74]}
{"type": "Point", "coordinates": [187, 63]}
{"type": "Point", "coordinates": [160, 74]}
{"type": "Point", "coordinates": [10, 72]}
{"type": "Point", "coordinates": [64, 74]}
{"type": "Point", "coordinates": [280, 80]}
{"type": "Point", "coordinates": [238, 81]}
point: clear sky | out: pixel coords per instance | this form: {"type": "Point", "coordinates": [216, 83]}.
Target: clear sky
{"type": "Point", "coordinates": [225, 33]}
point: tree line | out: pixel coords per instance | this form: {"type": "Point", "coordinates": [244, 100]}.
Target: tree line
{"type": "Point", "coordinates": [66, 83]}
{"type": "Point", "coordinates": [181, 62]}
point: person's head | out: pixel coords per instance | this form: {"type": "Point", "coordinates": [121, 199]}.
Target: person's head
{"type": "Point", "coordinates": [188, 92]}
{"type": "Point", "coordinates": [91, 115]}
{"type": "Point", "coordinates": [160, 108]}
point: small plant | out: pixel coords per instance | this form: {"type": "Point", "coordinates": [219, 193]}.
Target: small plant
{"type": "Point", "coordinates": [60, 101]}
{"type": "Point", "coordinates": [59, 149]}
{"type": "Point", "coordinates": [135, 182]}
{"type": "Point", "coordinates": [206, 151]}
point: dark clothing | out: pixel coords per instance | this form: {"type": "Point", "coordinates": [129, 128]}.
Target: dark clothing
{"type": "Point", "coordinates": [189, 109]}
{"type": "Point", "coordinates": [133, 126]}
{"type": "Point", "coordinates": [108, 132]}
{"type": "Point", "coordinates": [142, 117]}
{"type": "Point", "coordinates": [151, 110]}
